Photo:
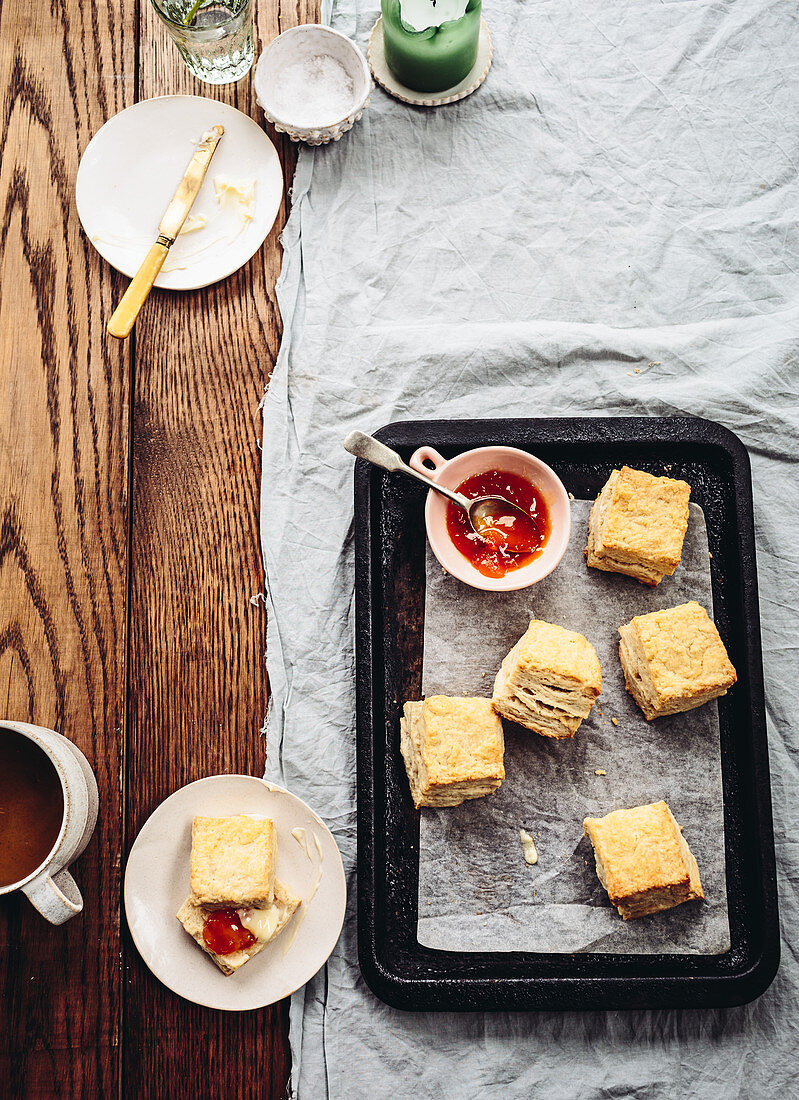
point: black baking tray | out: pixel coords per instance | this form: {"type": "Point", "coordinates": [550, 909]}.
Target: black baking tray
{"type": "Point", "coordinates": [389, 584]}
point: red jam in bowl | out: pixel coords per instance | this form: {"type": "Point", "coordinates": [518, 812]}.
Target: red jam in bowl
{"type": "Point", "coordinates": [495, 561]}
{"type": "Point", "coordinates": [224, 933]}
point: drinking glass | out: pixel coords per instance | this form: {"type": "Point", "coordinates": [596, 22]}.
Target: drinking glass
{"type": "Point", "coordinates": [214, 37]}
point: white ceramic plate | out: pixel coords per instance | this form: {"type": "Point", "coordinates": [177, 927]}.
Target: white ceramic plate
{"type": "Point", "coordinates": [132, 167]}
{"type": "Point", "coordinates": [157, 884]}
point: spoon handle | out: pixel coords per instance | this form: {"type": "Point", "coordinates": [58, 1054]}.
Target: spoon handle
{"type": "Point", "coordinates": [371, 449]}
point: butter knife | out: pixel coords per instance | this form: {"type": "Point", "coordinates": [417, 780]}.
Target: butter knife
{"type": "Point", "coordinates": [135, 296]}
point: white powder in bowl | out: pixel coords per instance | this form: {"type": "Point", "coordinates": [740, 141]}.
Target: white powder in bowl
{"type": "Point", "coordinates": [315, 90]}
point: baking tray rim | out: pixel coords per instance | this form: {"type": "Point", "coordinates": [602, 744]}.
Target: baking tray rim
{"type": "Point", "coordinates": [442, 990]}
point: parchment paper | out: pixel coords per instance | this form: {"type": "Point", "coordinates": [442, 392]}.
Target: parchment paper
{"type": "Point", "coordinates": [476, 893]}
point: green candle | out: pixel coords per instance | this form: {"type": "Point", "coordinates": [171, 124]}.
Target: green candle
{"type": "Point", "coordinates": [436, 58]}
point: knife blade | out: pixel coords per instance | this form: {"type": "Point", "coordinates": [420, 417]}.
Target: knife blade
{"type": "Point", "coordinates": [189, 187]}
{"type": "Point", "coordinates": [171, 223]}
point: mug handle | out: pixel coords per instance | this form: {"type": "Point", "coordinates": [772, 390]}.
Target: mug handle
{"type": "Point", "coordinates": [426, 454]}
{"type": "Point", "coordinates": [57, 897]}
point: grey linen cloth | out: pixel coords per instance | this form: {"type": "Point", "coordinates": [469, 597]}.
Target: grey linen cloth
{"type": "Point", "coordinates": [607, 226]}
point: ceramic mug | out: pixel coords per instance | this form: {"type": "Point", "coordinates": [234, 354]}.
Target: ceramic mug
{"type": "Point", "coordinates": [51, 888]}
{"type": "Point", "coordinates": [451, 473]}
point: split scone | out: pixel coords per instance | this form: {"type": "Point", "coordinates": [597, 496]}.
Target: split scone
{"type": "Point", "coordinates": [233, 862]}
{"type": "Point", "coordinates": [453, 749]}
{"type": "Point", "coordinates": [549, 681]}
{"type": "Point", "coordinates": [638, 524]}
{"type": "Point", "coordinates": [674, 660]}
{"type": "Point", "coordinates": [642, 860]}
{"type": "Point", "coordinates": [233, 935]}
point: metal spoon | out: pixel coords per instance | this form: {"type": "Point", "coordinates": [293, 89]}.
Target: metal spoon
{"type": "Point", "coordinates": [499, 522]}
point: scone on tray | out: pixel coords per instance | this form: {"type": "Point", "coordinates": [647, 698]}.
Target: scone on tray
{"type": "Point", "coordinates": [453, 748]}
{"type": "Point", "coordinates": [638, 524]}
{"type": "Point", "coordinates": [642, 860]}
{"type": "Point", "coordinates": [549, 681]}
{"type": "Point", "coordinates": [674, 660]}
{"type": "Point", "coordinates": [260, 926]}
{"type": "Point", "coordinates": [233, 862]}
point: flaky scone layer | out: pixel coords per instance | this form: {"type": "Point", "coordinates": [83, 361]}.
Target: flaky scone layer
{"type": "Point", "coordinates": [642, 860]}
{"type": "Point", "coordinates": [233, 861]}
{"type": "Point", "coordinates": [637, 525]}
{"type": "Point", "coordinates": [674, 660]}
{"type": "Point", "coordinates": [549, 680]}
{"type": "Point", "coordinates": [453, 748]}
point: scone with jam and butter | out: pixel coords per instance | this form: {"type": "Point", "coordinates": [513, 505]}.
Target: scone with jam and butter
{"type": "Point", "coordinates": [232, 936]}
{"type": "Point", "coordinates": [237, 906]}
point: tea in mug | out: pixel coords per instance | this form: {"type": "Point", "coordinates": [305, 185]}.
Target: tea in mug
{"type": "Point", "coordinates": [31, 806]}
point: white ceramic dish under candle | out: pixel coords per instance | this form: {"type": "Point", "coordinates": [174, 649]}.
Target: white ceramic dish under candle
{"type": "Point", "coordinates": [157, 884]}
{"type": "Point", "coordinates": [454, 472]}
{"type": "Point", "coordinates": [296, 107]}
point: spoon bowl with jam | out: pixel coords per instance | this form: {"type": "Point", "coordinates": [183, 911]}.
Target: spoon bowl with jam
{"type": "Point", "coordinates": [497, 518]}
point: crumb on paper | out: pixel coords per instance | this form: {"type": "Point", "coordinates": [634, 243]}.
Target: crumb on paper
{"type": "Point", "coordinates": [600, 771]}
{"type": "Point", "coordinates": [637, 370]}
{"type": "Point", "coordinates": [615, 721]}
{"type": "Point", "coordinates": [529, 850]}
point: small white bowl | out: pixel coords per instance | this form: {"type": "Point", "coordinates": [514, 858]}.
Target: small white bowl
{"type": "Point", "coordinates": [451, 473]}
{"type": "Point", "coordinates": [291, 48]}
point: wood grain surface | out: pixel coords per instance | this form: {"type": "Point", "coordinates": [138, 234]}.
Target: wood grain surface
{"type": "Point", "coordinates": [129, 499]}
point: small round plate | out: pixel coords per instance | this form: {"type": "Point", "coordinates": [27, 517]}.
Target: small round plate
{"type": "Point", "coordinates": [131, 170]}
{"type": "Point", "coordinates": [389, 83]}
{"type": "Point", "coordinates": [157, 884]}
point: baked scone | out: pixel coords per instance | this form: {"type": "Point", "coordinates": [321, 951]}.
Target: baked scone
{"type": "Point", "coordinates": [674, 660]}
{"type": "Point", "coordinates": [549, 681]}
{"type": "Point", "coordinates": [638, 524]}
{"type": "Point", "coordinates": [453, 749]}
{"type": "Point", "coordinates": [233, 861]}
{"type": "Point", "coordinates": [262, 924]}
{"type": "Point", "coordinates": [642, 860]}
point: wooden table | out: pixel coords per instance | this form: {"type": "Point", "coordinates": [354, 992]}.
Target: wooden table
{"type": "Point", "coordinates": [129, 499]}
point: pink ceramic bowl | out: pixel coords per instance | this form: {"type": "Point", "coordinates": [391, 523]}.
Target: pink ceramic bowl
{"type": "Point", "coordinates": [452, 473]}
